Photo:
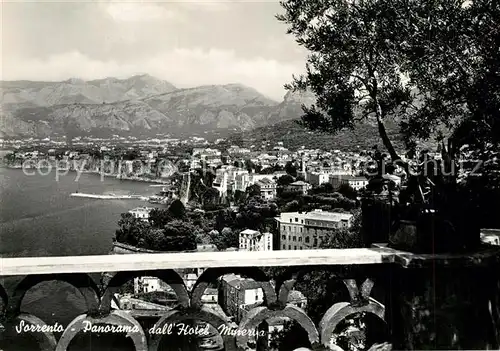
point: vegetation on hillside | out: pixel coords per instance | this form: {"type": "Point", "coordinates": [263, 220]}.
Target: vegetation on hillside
{"type": "Point", "coordinates": [294, 136]}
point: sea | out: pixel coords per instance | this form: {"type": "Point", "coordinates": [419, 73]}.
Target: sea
{"type": "Point", "coordinates": [38, 217]}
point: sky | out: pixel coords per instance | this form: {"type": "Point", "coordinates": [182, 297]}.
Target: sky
{"type": "Point", "coordinates": [188, 43]}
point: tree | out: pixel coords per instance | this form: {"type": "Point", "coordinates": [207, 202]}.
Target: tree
{"type": "Point", "coordinates": [451, 56]}
{"type": "Point", "coordinates": [285, 180]}
{"type": "Point", "coordinates": [211, 196]}
{"type": "Point", "coordinates": [131, 230]}
{"type": "Point", "coordinates": [354, 67]}
{"type": "Point", "coordinates": [177, 210]}
{"type": "Point", "coordinates": [239, 196]}
{"type": "Point", "coordinates": [224, 218]}
{"type": "Point", "coordinates": [225, 239]}
{"type": "Point", "coordinates": [345, 238]}
{"type": "Point", "coordinates": [159, 217]}
{"type": "Point", "coordinates": [324, 188]}
{"type": "Point", "coordinates": [347, 191]}
{"type": "Point", "coordinates": [253, 190]}
{"type": "Point", "coordinates": [249, 165]}
{"type": "Point", "coordinates": [154, 239]}
{"type": "Point", "coordinates": [179, 236]}
{"type": "Point", "coordinates": [292, 337]}
{"type": "Point", "coordinates": [291, 168]}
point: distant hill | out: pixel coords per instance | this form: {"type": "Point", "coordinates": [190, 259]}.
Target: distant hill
{"type": "Point", "coordinates": [291, 106]}
{"type": "Point", "coordinates": [19, 94]}
{"type": "Point", "coordinates": [214, 107]}
{"type": "Point", "coordinates": [139, 105]}
{"type": "Point", "coordinates": [144, 106]}
{"type": "Point", "coordinates": [293, 136]}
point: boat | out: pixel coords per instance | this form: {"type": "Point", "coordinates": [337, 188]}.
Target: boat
{"type": "Point", "coordinates": [155, 199]}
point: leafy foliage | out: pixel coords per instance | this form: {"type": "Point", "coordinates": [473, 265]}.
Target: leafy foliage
{"type": "Point", "coordinates": [166, 230]}
{"type": "Point", "coordinates": [131, 230]}
{"type": "Point", "coordinates": [294, 136]}
{"type": "Point", "coordinates": [451, 56]}
{"type": "Point", "coordinates": [225, 239]}
{"type": "Point", "coordinates": [285, 180]}
{"type": "Point", "coordinates": [353, 67]}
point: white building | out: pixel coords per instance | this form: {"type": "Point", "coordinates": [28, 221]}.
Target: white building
{"type": "Point", "coordinates": [221, 182]}
{"type": "Point", "coordinates": [306, 230]}
{"type": "Point", "coordinates": [356, 183]}
{"type": "Point", "coordinates": [253, 240]}
{"type": "Point", "coordinates": [267, 188]}
{"type": "Point", "coordinates": [149, 284]}
{"type": "Point", "coordinates": [141, 212]}
{"type": "Point", "coordinates": [317, 178]}
{"type": "Point", "coordinates": [299, 187]}
{"type": "Point", "coordinates": [243, 179]}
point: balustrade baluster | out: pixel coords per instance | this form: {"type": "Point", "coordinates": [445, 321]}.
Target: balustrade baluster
{"type": "Point", "coordinates": [427, 302]}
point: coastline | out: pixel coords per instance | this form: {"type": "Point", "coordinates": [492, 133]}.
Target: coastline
{"type": "Point", "coordinates": [116, 176]}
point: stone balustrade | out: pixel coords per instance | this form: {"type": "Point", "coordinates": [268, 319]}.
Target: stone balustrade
{"type": "Point", "coordinates": [426, 301]}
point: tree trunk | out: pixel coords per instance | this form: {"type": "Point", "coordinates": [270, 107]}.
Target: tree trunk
{"type": "Point", "coordinates": [383, 133]}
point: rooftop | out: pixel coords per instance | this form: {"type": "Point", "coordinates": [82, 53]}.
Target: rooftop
{"type": "Point", "coordinates": [317, 215]}
{"type": "Point", "coordinates": [350, 177]}
{"type": "Point", "coordinates": [250, 232]}
{"type": "Point", "coordinates": [142, 209]}
{"type": "Point", "coordinates": [265, 181]}
{"type": "Point", "coordinates": [242, 283]}
{"type": "Point", "coordinates": [299, 183]}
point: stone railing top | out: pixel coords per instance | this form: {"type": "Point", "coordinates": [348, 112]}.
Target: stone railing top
{"type": "Point", "coordinates": [379, 254]}
{"type": "Point", "coordinates": [141, 262]}
{"type": "Point", "coordinates": [484, 255]}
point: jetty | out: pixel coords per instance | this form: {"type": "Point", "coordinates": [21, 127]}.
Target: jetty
{"type": "Point", "coordinates": [110, 196]}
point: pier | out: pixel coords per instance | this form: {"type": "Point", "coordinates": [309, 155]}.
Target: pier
{"type": "Point", "coordinates": [110, 196]}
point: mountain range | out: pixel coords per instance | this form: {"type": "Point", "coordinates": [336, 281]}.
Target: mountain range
{"type": "Point", "coordinates": [139, 105]}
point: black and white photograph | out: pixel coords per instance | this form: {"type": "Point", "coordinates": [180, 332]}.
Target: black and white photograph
{"type": "Point", "coordinates": [294, 175]}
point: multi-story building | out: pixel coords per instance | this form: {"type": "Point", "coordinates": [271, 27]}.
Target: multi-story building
{"type": "Point", "coordinates": [221, 182]}
{"type": "Point", "coordinates": [299, 187]}
{"type": "Point", "coordinates": [236, 150]}
{"type": "Point", "coordinates": [267, 188]}
{"type": "Point", "coordinates": [356, 183]}
{"type": "Point", "coordinates": [253, 240]}
{"type": "Point", "coordinates": [237, 293]}
{"type": "Point", "coordinates": [317, 178]}
{"type": "Point", "coordinates": [243, 179]}
{"type": "Point", "coordinates": [306, 230]}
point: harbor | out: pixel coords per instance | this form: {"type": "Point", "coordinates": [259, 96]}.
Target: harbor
{"type": "Point", "coordinates": [110, 196]}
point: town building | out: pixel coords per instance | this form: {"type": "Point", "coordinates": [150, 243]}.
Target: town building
{"type": "Point", "coordinates": [299, 187]}
{"type": "Point", "coordinates": [150, 284]}
{"type": "Point", "coordinates": [317, 178]}
{"type": "Point", "coordinates": [243, 179]}
{"type": "Point", "coordinates": [253, 240]}
{"type": "Point", "coordinates": [130, 303]}
{"type": "Point", "coordinates": [297, 298]}
{"type": "Point", "coordinates": [306, 230]}
{"type": "Point", "coordinates": [141, 212]}
{"type": "Point", "coordinates": [238, 295]}
{"type": "Point", "coordinates": [356, 183]}
{"type": "Point", "coordinates": [267, 188]}
{"type": "Point", "coordinates": [221, 182]}
{"type": "Point", "coordinates": [210, 296]}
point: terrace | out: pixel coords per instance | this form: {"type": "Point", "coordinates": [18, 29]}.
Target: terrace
{"type": "Point", "coordinates": [424, 301]}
